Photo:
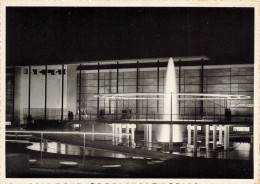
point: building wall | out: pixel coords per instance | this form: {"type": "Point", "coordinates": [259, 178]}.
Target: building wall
{"type": "Point", "coordinates": [229, 79]}
{"type": "Point", "coordinates": [37, 96]}
{"type": "Point", "coordinates": [9, 97]}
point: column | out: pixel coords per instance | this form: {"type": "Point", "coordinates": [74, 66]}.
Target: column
{"type": "Point", "coordinates": [116, 133]}
{"type": "Point", "coordinates": [214, 137]}
{"type": "Point", "coordinates": [195, 137]}
{"type": "Point", "coordinates": [220, 134]}
{"type": "Point", "coordinates": [45, 145]}
{"type": "Point", "coordinates": [150, 131]}
{"type": "Point", "coordinates": [13, 118]}
{"type": "Point", "coordinates": [251, 139]}
{"type": "Point", "coordinates": [226, 137]}
{"type": "Point", "coordinates": [127, 128]}
{"type": "Point", "coordinates": [45, 94]}
{"type": "Point", "coordinates": [113, 133]}
{"type": "Point", "coordinates": [98, 91]}
{"type": "Point", "coordinates": [228, 129]}
{"type": "Point", "coordinates": [120, 132]}
{"type": "Point", "coordinates": [62, 91]}
{"type": "Point", "coordinates": [146, 135]}
{"type": "Point", "coordinates": [29, 91]}
{"type": "Point", "coordinates": [189, 134]}
{"type": "Point", "coordinates": [171, 138]}
{"type": "Point", "coordinates": [207, 137]}
{"type": "Point", "coordinates": [84, 150]}
{"type": "Point", "coordinates": [66, 149]}
{"type": "Point", "coordinates": [128, 136]}
{"type": "Point", "coordinates": [93, 131]}
{"type": "Point", "coordinates": [59, 148]}
{"type": "Point", "coordinates": [133, 134]}
{"type": "Point", "coordinates": [80, 74]}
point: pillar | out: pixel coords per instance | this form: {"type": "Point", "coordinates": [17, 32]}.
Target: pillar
{"type": "Point", "coordinates": [214, 137]}
{"type": "Point", "coordinates": [170, 138]}
{"type": "Point", "coordinates": [116, 133]}
{"type": "Point", "coordinates": [150, 131]}
{"type": "Point", "coordinates": [45, 145]}
{"type": "Point", "coordinates": [195, 137]}
{"type": "Point", "coordinates": [113, 133]}
{"type": "Point", "coordinates": [62, 91]}
{"type": "Point", "coordinates": [189, 134]}
{"type": "Point", "coordinates": [207, 137]}
{"type": "Point", "coordinates": [45, 93]}
{"type": "Point", "coordinates": [133, 134]}
{"type": "Point", "coordinates": [120, 132]}
{"type": "Point", "coordinates": [228, 132]}
{"type": "Point", "coordinates": [145, 132]}
{"type": "Point", "coordinates": [146, 135]}
{"type": "Point", "coordinates": [251, 139]}
{"type": "Point", "coordinates": [80, 81]}
{"type": "Point", "coordinates": [226, 137]}
{"type": "Point", "coordinates": [220, 134]}
{"type": "Point", "coordinates": [127, 137]}
{"type": "Point", "coordinates": [93, 131]}
{"type": "Point", "coordinates": [29, 95]}
{"type": "Point", "coordinates": [127, 128]}
{"type": "Point", "coordinates": [59, 148]}
{"type": "Point", "coordinates": [66, 149]}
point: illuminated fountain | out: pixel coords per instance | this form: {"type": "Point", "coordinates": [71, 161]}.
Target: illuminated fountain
{"type": "Point", "coordinates": [170, 104]}
{"type": "Point", "coordinates": [171, 107]}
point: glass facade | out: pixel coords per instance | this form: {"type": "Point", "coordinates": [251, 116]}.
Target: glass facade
{"type": "Point", "coordinates": [229, 79]}
{"type": "Point", "coordinates": [80, 86]}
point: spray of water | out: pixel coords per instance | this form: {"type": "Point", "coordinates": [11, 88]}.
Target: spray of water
{"type": "Point", "coordinates": [170, 103]}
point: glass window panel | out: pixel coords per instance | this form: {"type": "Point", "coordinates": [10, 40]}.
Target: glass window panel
{"type": "Point", "coordinates": [129, 82]}
{"type": "Point", "coordinates": [193, 80]}
{"type": "Point", "coordinates": [218, 72]}
{"type": "Point", "coordinates": [192, 73]}
{"type": "Point", "coordinates": [218, 80]}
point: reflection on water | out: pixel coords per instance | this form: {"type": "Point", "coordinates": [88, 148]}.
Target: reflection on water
{"type": "Point", "coordinates": [76, 150]}
{"type": "Point", "coordinates": [242, 150]}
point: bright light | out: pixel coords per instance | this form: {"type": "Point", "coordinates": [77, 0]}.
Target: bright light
{"type": "Point", "coordinates": [171, 107]}
{"type": "Point", "coordinates": [191, 96]}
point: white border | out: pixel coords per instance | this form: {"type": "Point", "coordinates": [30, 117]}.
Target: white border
{"type": "Point", "coordinates": [134, 3]}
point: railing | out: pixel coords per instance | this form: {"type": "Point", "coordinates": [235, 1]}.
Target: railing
{"type": "Point", "coordinates": [115, 139]}
{"type": "Point", "coordinates": [84, 136]}
{"type": "Point", "coordinates": [167, 117]}
{"type": "Point", "coordinates": [125, 140]}
{"type": "Point", "coordinates": [151, 117]}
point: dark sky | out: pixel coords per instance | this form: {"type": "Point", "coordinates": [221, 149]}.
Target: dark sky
{"type": "Point", "coordinates": [64, 35]}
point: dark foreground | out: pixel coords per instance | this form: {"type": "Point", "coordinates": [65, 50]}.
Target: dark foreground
{"type": "Point", "coordinates": [185, 167]}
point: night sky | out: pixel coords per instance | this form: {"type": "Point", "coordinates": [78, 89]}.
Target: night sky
{"type": "Point", "coordinates": [66, 35]}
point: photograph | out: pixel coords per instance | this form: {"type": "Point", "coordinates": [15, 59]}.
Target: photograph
{"type": "Point", "coordinates": [145, 92]}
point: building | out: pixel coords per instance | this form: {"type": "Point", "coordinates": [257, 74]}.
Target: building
{"type": "Point", "coordinates": [190, 116]}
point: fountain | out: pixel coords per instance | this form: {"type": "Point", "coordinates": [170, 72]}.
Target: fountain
{"type": "Point", "coordinates": [170, 99]}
